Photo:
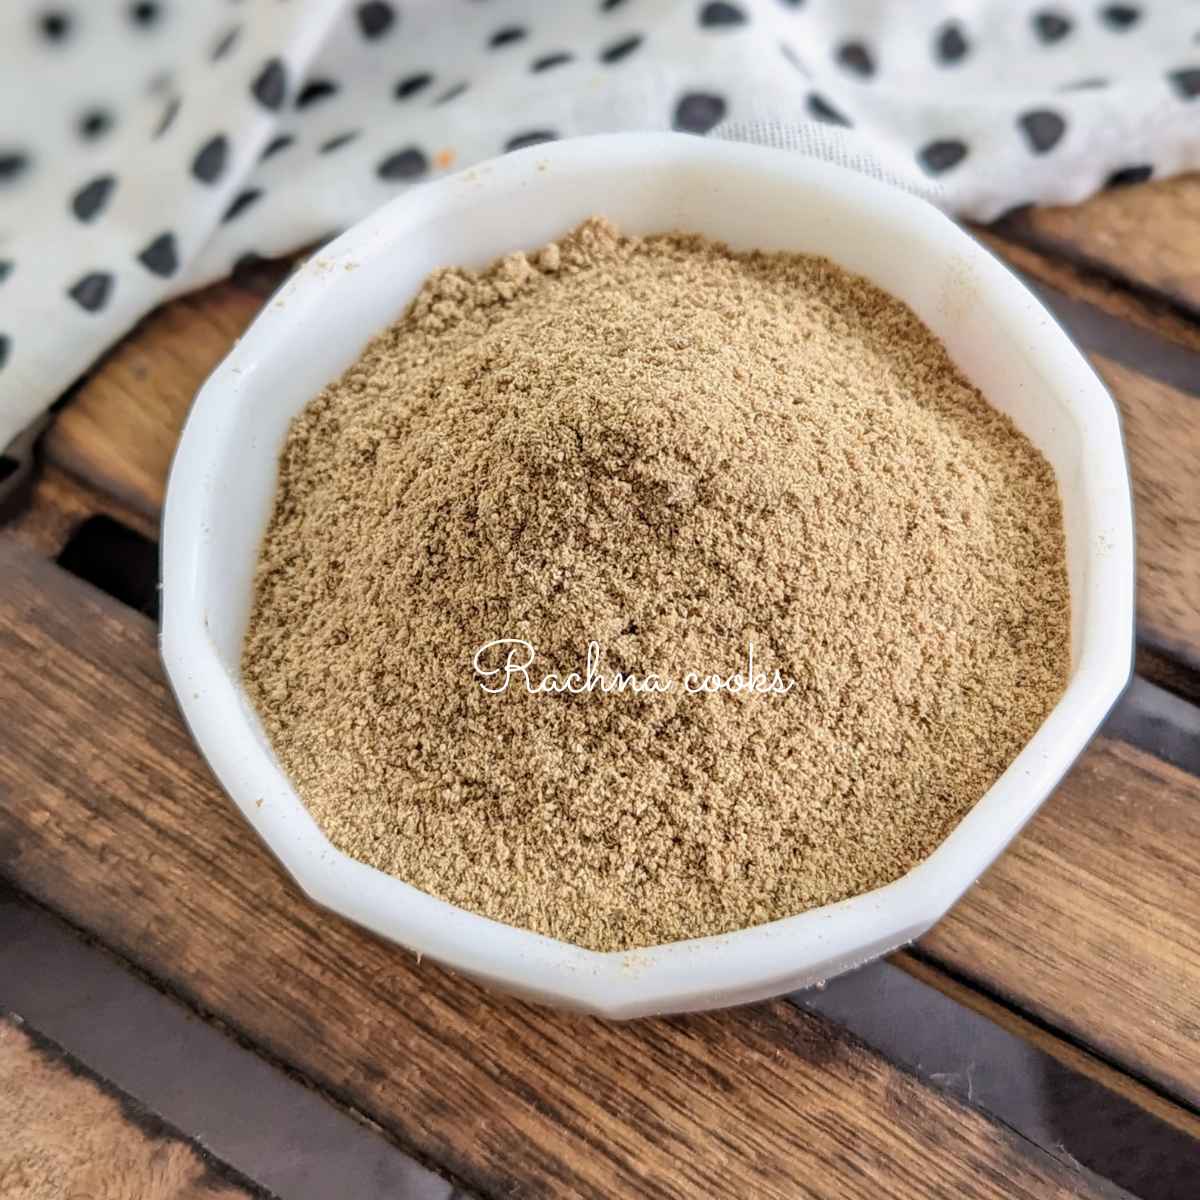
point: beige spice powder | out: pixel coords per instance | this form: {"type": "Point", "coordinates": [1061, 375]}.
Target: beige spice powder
{"type": "Point", "coordinates": [673, 450]}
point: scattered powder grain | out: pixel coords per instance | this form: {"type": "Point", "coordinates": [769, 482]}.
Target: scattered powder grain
{"type": "Point", "coordinates": [673, 450]}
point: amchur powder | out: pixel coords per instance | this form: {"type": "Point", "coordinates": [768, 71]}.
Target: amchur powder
{"type": "Point", "coordinates": [672, 451]}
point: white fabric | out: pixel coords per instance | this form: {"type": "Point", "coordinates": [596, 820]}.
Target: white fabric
{"type": "Point", "coordinates": [982, 104]}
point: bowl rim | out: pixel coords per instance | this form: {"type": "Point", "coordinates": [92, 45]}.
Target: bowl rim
{"type": "Point", "coordinates": [619, 983]}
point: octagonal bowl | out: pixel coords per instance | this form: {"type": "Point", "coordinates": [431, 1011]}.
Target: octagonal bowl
{"type": "Point", "coordinates": [224, 475]}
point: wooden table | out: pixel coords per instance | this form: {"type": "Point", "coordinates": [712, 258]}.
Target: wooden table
{"type": "Point", "coordinates": [182, 1021]}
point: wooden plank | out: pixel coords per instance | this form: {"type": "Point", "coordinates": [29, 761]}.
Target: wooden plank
{"type": "Point", "coordinates": [59, 504]}
{"type": "Point", "coordinates": [122, 830]}
{"type": "Point", "coordinates": [119, 430]}
{"type": "Point", "coordinates": [1091, 921]}
{"type": "Point", "coordinates": [991, 1065]}
{"type": "Point", "coordinates": [1147, 236]}
{"type": "Point", "coordinates": [1162, 438]}
{"type": "Point", "coordinates": [1147, 311]}
{"type": "Point", "coordinates": [1158, 722]}
{"type": "Point", "coordinates": [1150, 360]}
{"type": "Point", "coordinates": [61, 1135]}
{"type": "Point", "coordinates": [260, 1121]}
{"type": "Point", "coordinates": [1166, 670]}
{"type": "Point", "coordinates": [1075, 1057]}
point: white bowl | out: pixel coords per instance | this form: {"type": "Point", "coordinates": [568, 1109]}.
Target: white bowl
{"type": "Point", "coordinates": [223, 480]}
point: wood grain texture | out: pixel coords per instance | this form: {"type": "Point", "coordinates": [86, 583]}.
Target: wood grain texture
{"type": "Point", "coordinates": [119, 430]}
{"type": "Point", "coordinates": [1077, 1058]}
{"type": "Point", "coordinates": [1091, 921]}
{"type": "Point", "coordinates": [63, 1138]}
{"type": "Point", "coordinates": [60, 503]}
{"type": "Point", "coordinates": [107, 816]}
{"type": "Point", "coordinates": [1162, 434]}
{"type": "Point", "coordinates": [1148, 236]}
{"type": "Point", "coordinates": [1149, 312]}
{"type": "Point", "coordinates": [1162, 438]}
{"type": "Point", "coordinates": [1168, 672]}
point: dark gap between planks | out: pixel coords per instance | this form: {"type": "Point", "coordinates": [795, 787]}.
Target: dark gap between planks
{"type": "Point", "coordinates": [1133, 346]}
{"type": "Point", "coordinates": [952, 1047]}
{"type": "Point", "coordinates": [149, 1123]}
{"type": "Point", "coordinates": [1017, 228]}
{"type": "Point", "coordinates": [1158, 721]}
{"type": "Point", "coordinates": [1173, 667]}
{"type": "Point", "coordinates": [260, 1120]}
{"type": "Point", "coordinates": [1177, 672]}
{"type": "Point", "coordinates": [968, 981]}
{"type": "Point", "coordinates": [17, 469]}
{"type": "Point", "coordinates": [118, 560]}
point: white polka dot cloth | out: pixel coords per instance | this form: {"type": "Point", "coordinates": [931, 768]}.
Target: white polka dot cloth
{"type": "Point", "coordinates": [146, 146]}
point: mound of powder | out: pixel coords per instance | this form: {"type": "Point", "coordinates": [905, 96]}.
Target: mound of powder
{"type": "Point", "coordinates": [672, 450]}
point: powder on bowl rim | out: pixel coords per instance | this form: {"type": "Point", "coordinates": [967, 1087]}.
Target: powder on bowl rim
{"type": "Point", "coordinates": [674, 451]}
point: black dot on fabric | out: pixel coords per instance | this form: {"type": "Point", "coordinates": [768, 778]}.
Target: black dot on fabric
{"type": "Point", "coordinates": [1043, 128]}
{"type": "Point", "coordinates": [698, 112]}
{"type": "Point", "coordinates": [270, 86]}
{"type": "Point", "coordinates": [5, 344]}
{"type": "Point", "coordinates": [144, 13]}
{"type": "Point", "coordinates": [241, 202]}
{"type": "Point", "coordinates": [375, 18]}
{"type": "Point", "coordinates": [92, 291]}
{"type": "Point", "coordinates": [210, 159]}
{"type": "Point", "coordinates": [1129, 175]}
{"type": "Point", "coordinates": [608, 5]}
{"type": "Point", "coordinates": [856, 58]}
{"type": "Point", "coordinates": [548, 61]}
{"type": "Point", "coordinates": [403, 165]}
{"type": "Point", "coordinates": [507, 35]}
{"type": "Point", "coordinates": [1120, 16]}
{"type": "Point", "coordinates": [452, 93]}
{"type": "Point", "coordinates": [95, 123]}
{"type": "Point", "coordinates": [822, 110]}
{"type": "Point", "coordinates": [950, 45]}
{"type": "Point", "coordinates": [5, 268]}
{"type": "Point", "coordinates": [621, 49]}
{"type": "Point", "coordinates": [533, 137]}
{"type": "Point", "coordinates": [336, 143]}
{"type": "Point", "coordinates": [941, 155]}
{"type": "Point", "coordinates": [314, 91]}
{"type": "Point", "coordinates": [412, 84]}
{"type": "Point", "coordinates": [275, 145]}
{"type": "Point", "coordinates": [225, 43]}
{"type": "Point", "coordinates": [1185, 82]}
{"type": "Point", "coordinates": [1082, 85]}
{"type": "Point", "coordinates": [161, 257]}
{"type": "Point", "coordinates": [170, 112]}
{"type": "Point", "coordinates": [91, 199]}
{"type": "Point", "coordinates": [718, 14]}
{"type": "Point", "coordinates": [54, 25]}
{"type": "Point", "coordinates": [1051, 26]}
{"type": "Point", "coordinates": [794, 59]}
{"type": "Point", "coordinates": [13, 164]}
